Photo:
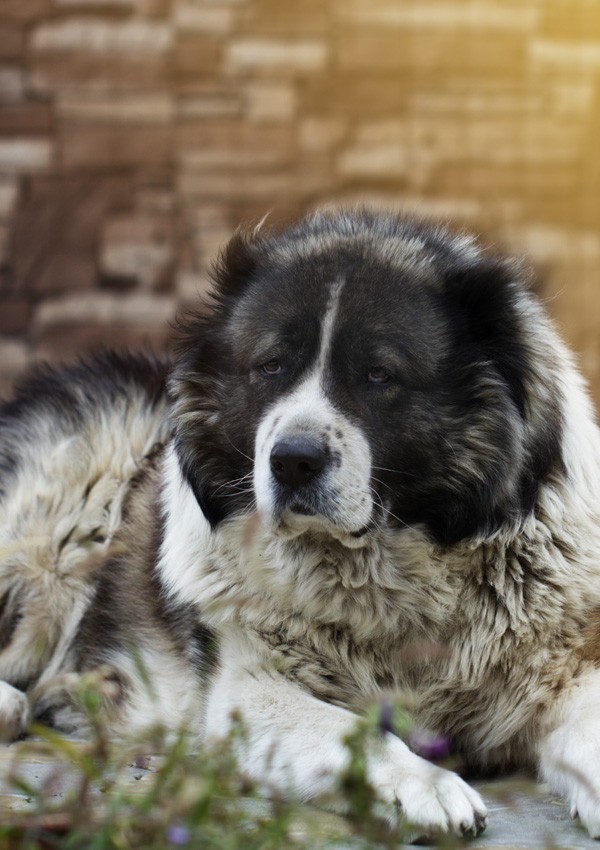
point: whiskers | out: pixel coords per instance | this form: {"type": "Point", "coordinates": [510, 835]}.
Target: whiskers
{"type": "Point", "coordinates": [235, 487]}
{"type": "Point", "coordinates": [379, 501]}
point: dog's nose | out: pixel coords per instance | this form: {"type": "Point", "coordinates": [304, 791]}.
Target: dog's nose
{"type": "Point", "coordinates": [297, 460]}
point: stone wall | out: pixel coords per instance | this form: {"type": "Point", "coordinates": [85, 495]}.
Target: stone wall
{"type": "Point", "coordinates": [136, 134]}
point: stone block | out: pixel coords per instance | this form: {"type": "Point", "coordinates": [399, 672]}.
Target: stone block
{"type": "Point", "coordinates": [479, 16]}
{"type": "Point", "coordinates": [357, 95]}
{"type": "Point", "coordinates": [321, 134]}
{"type": "Point", "coordinates": [9, 192]}
{"type": "Point", "coordinates": [270, 101]}
{"type": "Point", "coordinates": [91, 73]}
{"type": "Point", "coordinates": [4, 237]}
{"type": "Point", "coordinates": [15, 358]}
{"type": "Point", "coordinates": [110, 146]}
{"type": "Point", "coordinates": [12, 84]}
{"type": "Point", "coordinates": [572, 55]}
{"type": "Point", "coordinates": [193, 17]}
{"type": "Point", "coordinates": [263, 190]}
{"type": "Point", "coordinates": [285, 56]}
{"type": "Point", "coordinates": [24, 11]}
{"type": "Point", "coordinates": [25, 119]}
{"type": "Point", "coordinates": [192, 287]}
{"type": "Point", "coordinates": [233, 144]}
{"type": "Point", "coordinates": [65, 327]}
{"type": "Point", "coordinates": [26, 154]}
{"type": "Point", "coordinates": [208, 101]}
{"type": "Point", "coordinates": [138, 248]}
{"type": "Point", "coordinates": [141, 108]}
{"type": "Point", "coordinates": [99, 35]}
{"type": "Point", "coordinates": [273, 18]}
{"type": "Point", "coordinates": [196, 56]}
{"type": "Point", "coordinates": [98, 5]}
{"type": "Point", "coordinates": [14, 314]}
{"type": "Point", "coordinates": [427, 51]}
{"type": "Point", "coordinates": [12, 41]}
{"type": "Point", "coordinates": [484, 140]}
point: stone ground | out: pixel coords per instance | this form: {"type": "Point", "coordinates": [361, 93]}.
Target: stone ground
{"type": "Point", "coordinates": [522, 814]}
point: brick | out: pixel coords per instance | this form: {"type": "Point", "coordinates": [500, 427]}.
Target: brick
{"type": "Point", "coordinates": [56, 230]}
{"type": "Point", "coordinates": [270, 101]}
{"type": "Point", "coordinates": [551, 244]}
{"type": "Point", "coordinates": [138, 248]}
{"type": "Point", "coordinates": [63, 343]}
{"type": "Point", "coordinates": [276, 19]}
{"type": "Point", "coordinates": [26, 154]}
{"type": "Point", "coordinates": [14, 314]}
{"type": "Point", "coordinates": [268, 188]}
{"type": "Point", "coordinates": [97, 5]}
{"type": "Point", "coordinates": [68, 326]}
{"type": "Point", "coordinates": [142, 108]}
{"type": "Point", "coordinates": [571, 55]}
{"type": "Point", "coordinates": [192, 286]}
{"type": "Point", "coordinates": [208, 102]}
{"type": "Point", "coordinates": [462, 209]}
{"type": "Point", "coordinates": [25, 119]}
{"type": "Point", "coordinates": [415, 52]}
{"type": "Point", "coordinates": [440, 16]}
{"type": "Point", "coordinates": [92, 73]}
{"type": "Point", "coordinates": [207, 229]}
{"type": "Point", "coordinates": [96, 35]}
{"type": "Point", "coordinates": [4, 252]}
{"type": "Point", "coordinates": [195, 57]}
{"type": "Point", "coordinates": [24, 11]}
{"type": "Point", "coordinates": [493, 140]}
{"type": "Point", "coordinates": [9, 192]}
{"type": "Point", "coordinates": [12, 84]}
{"type": "Point", "coordinates": [284, 56]}
{"type": "Point", "coordinates": [12, 41]}
{"type": "Point", "coordinates": [234, 144]}
{"type": "Point", "coordinates": [191, 17]}
{"type": "Point", "coordinates": [15, 359]}
{"type": "Point", "coordinates": [319, 135]}
{"type": "Point", "coordinates": [361, 95]}
{"type": "Point", "coordinates": [98, 146]}
{"type": "Point", "coordinates": [567, 20]}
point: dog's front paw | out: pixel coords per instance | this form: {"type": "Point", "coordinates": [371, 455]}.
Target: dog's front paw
{"type": "Point", "coordinates": [570, 763]}
{"type": "Point", "coordinates": [14, 713]}
{"type": "Point", "coordinates": [430, 800]}
{"type": "Point", "coordinates": [585, 804]}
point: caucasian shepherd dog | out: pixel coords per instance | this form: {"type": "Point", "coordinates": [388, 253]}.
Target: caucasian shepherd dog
{"type": "Point", "coordinates": [373, 442]}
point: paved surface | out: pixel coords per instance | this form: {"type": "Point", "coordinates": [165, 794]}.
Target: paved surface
{"type": "Point", "coordinates": [522, 814]}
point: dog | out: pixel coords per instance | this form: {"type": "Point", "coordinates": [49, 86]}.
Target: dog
{"type": "Point", "coordinates": [371, 441]}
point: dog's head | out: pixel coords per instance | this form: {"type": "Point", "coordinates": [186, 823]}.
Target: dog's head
{"type": "Point", "coordinates": [360, 370]}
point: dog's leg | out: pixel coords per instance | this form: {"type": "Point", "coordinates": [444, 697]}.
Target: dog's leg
{"type": "Point", "coordinates": [294, 742]}
{"type": "Point", "coordinates": [14, 713]}
{"type": "Point", "coordinates": [570, 753]}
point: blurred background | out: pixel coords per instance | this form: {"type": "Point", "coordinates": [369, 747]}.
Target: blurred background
{"type": "Point", "coordinates": [135, 135]}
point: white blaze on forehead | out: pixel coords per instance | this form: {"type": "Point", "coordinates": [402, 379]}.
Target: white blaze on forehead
{"type": "Point", "coordinates": [328, 324]}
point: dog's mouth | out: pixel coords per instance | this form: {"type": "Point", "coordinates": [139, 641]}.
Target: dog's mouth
{"type": "Point", "coordinates": [301, 509]}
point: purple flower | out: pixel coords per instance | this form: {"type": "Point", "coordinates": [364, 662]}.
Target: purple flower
{"type": "Point", "coordinates": [177, 834]}
{"type": "Point", "coordinates": [430, 745]}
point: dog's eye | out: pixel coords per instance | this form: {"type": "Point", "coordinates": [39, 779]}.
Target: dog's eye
{"type": "Point", "coordinates": [271, 367]}
{"type": "Point", "coordinates": [378, 375]}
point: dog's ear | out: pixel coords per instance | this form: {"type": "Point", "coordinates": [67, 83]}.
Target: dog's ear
{"type": "Point", "coordinates": [202, 488]}
{"type": "Point", "coordinates": [235, 265]}
{"type": "Point", "coordinates": [504, 329]}
{"type": "Point", "coordinates": [490, 294]}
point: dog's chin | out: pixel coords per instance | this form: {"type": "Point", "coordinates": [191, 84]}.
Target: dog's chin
{"type": "Point", "coordinates": [297, 521]}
